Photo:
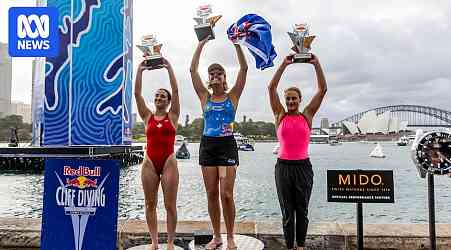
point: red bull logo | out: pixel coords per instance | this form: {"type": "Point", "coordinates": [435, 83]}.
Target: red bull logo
{"type": "Point", "coordinates": [81, 182]}
{"type": "Point", "coordinates": [204, 7]}
{"type": "Point", "coordinates": [81, 171]}
{"type": "Point", "coordinates": [300, 27]}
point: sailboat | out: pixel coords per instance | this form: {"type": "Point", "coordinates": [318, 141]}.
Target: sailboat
{"type": "Point", "coordinates": [377, 152]}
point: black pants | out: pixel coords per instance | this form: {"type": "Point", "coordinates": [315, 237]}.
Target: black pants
{"type": "Point", "coordinates": [294, 181]}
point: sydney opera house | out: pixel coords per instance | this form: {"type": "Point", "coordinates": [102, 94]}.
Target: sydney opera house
{"type": "Point", "coordinates": [371, 123]}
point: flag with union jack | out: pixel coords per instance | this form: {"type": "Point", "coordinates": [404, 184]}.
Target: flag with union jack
{"type": "Point", "coordinates": [254, 32]}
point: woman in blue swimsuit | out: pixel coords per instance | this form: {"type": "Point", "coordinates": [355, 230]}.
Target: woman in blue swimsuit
{"type": "Point", "coordinates": [218, 152]}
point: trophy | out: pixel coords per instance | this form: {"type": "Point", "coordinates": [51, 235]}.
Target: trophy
{"type": "Point", "coordinates": [301, 41]}
{"type": "Point", "coordinates": [205, 24]}
{"type": "Point", "coordinates": [152, 51]}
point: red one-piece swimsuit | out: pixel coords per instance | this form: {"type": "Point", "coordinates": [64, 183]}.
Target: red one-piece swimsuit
{"type": "Point", "coordinates": [160, 141]}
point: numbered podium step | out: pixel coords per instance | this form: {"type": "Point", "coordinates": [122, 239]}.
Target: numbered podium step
{"type": "Point", "coordinates": [243, 242]}
{"type": "Point", "coordinates": [160, 247]}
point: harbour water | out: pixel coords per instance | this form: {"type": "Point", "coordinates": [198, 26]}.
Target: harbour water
{"type": "Point", "coordinates": [255, 194]}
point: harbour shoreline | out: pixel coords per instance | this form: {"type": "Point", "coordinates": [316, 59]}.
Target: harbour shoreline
{"type": "Point", "coordinates": [23, 233]}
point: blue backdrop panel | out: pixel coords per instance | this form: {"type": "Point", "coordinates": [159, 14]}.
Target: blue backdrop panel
{"type": "Point", "coordinates": [93, 104]}
{"type": "Point", "coordinates": [57, 71]}
{"type": "Point", "coordinates": [80, 204]}
{"type": "Point", "coordinates": [128, 57]}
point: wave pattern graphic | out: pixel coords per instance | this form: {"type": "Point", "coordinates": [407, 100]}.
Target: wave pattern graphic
{"type": "Point", "coordinates": [101, 91]}
{"type": "Point", "coordinates": [97, 78]}
{"type": "Point", "coordinates": [56, 86]}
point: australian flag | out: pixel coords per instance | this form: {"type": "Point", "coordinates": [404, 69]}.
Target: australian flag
{"type": "Point", "coordinates": [254, 32]}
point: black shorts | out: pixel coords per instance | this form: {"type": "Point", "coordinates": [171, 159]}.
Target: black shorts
{"type": "Point", "coordinates": [218, 151]}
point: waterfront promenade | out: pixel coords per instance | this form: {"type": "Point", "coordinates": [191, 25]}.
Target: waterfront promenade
{"type": "Point", "coordinates": [402, 225]}
{"type": "Point", "coordinates": [24, 234]}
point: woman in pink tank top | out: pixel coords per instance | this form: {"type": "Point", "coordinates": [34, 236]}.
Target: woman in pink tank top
{"type": "Point", "coordinates": [293, 171]}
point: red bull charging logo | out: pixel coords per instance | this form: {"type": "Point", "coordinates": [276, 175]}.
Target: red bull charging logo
{"type": "Point", "coordinates": [81, 182]}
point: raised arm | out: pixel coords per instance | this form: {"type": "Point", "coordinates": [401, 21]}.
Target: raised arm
{"type": "Point", "coordinates": [240, 82]}
{"type": "Point", "coordinates": [276, 105]}
{"type": "Point", "coordinates": [198, 85]}
{"type": "Point", "coordinates": [311, 109]}
{"type": "Point", "coordinates": [143, 111]}
{"type": "Point", "coordinates": [174, 111]}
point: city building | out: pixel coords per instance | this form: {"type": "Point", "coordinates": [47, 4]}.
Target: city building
{"type": "Point", "coordinates": [324, 123]}
{"type": "Point", "coordinates": [5, 80]}
{"type": "Point", "coordinates": [22, 109]}
{"type": "Point", "coordinates": [7, 106]}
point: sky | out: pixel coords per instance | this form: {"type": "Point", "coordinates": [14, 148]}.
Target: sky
{"type": "Point", "coordinates": [373, 53]}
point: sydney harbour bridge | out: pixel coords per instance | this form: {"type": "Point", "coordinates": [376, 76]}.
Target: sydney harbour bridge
{"type": "Point", "coordinates": [416, 116]}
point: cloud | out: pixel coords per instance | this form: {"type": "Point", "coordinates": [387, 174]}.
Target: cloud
{"type": "Point", "coordinates": [374, 53]}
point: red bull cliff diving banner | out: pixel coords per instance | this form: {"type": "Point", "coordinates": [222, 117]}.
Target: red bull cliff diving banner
{"type": "Point", "coordinates": [80, 205]}
{"type": "Point", "coordinates": [82, 96]}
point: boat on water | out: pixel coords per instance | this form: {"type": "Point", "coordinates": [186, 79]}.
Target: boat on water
{"type": "Point", "coordinates": [334, 142]}
{"type": "Point", "coordinates": [13, 139]}
{"type": "Point", "coordinates": [244, 143]}
{"type": "Point", "coordinates": [403, 141]}
{"type": "Point", "coordinates": [275, 150]}
{"type": "Point", "coordinates": [182, 152]}
{"type": "Point", "coordinates": [377, 152]}
{"type": "Point", "coordinates": [180, 139]}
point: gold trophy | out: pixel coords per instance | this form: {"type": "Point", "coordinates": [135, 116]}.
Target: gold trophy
{"type": "Point", "coordinates": [205, 24]}
{"type": "Point", "coordinates": [152, 51]}
{"type": "Point", "coordinates": [301, 41]}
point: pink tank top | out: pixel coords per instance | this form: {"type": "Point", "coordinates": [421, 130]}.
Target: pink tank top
{"type": "Point", "coordinates": [294, 137]}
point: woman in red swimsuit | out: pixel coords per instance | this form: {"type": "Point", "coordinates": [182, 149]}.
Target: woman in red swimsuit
{"type": "Point", "coordinates": [160, 164]}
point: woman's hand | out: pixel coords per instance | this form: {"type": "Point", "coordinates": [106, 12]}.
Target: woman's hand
{"type": "Point", "coordinates": [203, 42]}
{"type": "Point", "coordinates": [166, 64]}
{"type": "Point", "coordinates": [288, 60]}
{"type": "Point", "coordinates": [314, 60]}
{"type": "Point", "coordinates": [142, 66]}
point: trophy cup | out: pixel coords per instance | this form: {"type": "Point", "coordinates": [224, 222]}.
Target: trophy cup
{"type": "Point", "coordinates": [205, 24]}
{"type": "Point", "coordinates": [301, 41]}
{"type": "Point", "coordinates": [152, 51]}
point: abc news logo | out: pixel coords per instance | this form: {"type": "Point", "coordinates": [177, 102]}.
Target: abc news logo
{"type": "Point", "coordinates": [33, 32]}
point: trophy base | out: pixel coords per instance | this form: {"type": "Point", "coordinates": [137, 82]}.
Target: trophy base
{"type": "Point", "coordinates": [154, 62]}
{"type": "Point", "coordinates": [202, 31]}
{"type": "Point", "coordinates": [302, 58]}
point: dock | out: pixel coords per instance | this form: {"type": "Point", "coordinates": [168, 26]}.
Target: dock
{"type": "Point", "coordinates": [33, 158]}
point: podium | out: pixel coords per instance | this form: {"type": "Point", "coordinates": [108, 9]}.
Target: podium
{"type": "Point", "coordinates": [242, 242]}
{"type": "Point", "coordinates": [160, 247]}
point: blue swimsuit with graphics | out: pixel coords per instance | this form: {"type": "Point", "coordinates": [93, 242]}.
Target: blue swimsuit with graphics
{"type": "Point", "coordinates": [218, 146]}
{"type": "Point", "coordinates": [218, 118]}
